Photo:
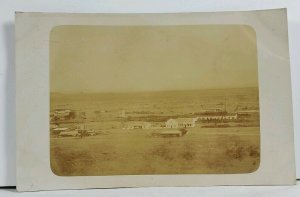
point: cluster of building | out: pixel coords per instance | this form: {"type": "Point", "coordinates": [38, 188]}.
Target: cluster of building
{"type": "Point", "coordinates": [171, 123]}
{"type": "Point", "coordinates": [209, 115]}
{"type": "Point", "coordinates": [60, 114]}
{"type": "Point", "coordinates": [191, 122]}
{"type": "Point", "coordinates": [71, 132]}
{"type": "Point", "coordinates": [67, 114]}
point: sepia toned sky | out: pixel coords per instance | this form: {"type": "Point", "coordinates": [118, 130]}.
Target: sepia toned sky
{"type": "Point", "coordinates": [152, 58]}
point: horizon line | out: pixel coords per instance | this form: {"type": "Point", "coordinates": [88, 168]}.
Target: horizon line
{"type": "Point", "coordinates": [145, 91]}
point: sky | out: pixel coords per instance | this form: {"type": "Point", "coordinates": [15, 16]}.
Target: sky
{"type": "Point", "coordinates": [152, 58]}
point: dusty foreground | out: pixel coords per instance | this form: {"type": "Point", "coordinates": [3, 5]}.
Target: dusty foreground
{"type": "Point", "coordinates": [132, 152]}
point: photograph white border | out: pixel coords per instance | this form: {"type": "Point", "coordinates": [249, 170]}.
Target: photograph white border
{"type": "Point", "coordinates": [277, 165]}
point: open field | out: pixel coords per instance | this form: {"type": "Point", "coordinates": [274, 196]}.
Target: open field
{"type": "Point", "coordinates": [118, 148]}
{"type": "Point", "coordinates": [129, 152]}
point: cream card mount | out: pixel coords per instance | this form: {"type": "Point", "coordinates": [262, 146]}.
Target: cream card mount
{"type": "Point", "coordinates": [138, 100]}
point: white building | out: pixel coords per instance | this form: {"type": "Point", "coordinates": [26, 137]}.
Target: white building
{"type": "Point", "coordinates": [62, 114]}
{"type": "Point", "coordinates": [72, 133]}
{"type": "Point", "coordinates": [61, 129]}
{"type": "Point", "coordinates": [181, 122]}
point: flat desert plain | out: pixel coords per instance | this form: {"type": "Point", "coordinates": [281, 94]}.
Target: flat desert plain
{"type": "Point", "coordinates": [208, 147]}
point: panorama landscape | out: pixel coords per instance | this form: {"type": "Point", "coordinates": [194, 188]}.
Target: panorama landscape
{"type": "Point", "coordinates": [138, 100]}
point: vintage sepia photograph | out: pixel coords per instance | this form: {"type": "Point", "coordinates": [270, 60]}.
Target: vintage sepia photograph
{"type": "Point", "coordinates": [154, 100]}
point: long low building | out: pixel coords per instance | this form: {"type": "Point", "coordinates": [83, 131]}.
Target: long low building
{"type": "Point", "coordinates": [215, 117]}
{"type": "Point", "coordinates": [181, 123]}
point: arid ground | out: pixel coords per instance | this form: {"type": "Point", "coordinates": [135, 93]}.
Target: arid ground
{"type": "Point", "coordinates": [115, 150]}
{"type": "Point", "coordinates": [205, 151]}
